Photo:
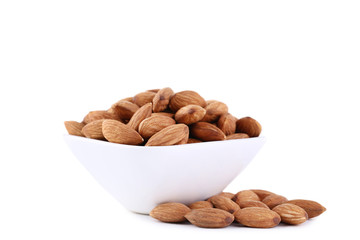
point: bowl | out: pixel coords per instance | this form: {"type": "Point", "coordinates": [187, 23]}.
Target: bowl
{"type": "Point", "coordinates": [142, 177]}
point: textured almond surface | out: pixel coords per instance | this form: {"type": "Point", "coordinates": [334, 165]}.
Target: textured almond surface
{"type": "Point", "coordinates": [143, 98]}
{"type": "Point", "coordinates": [252, 203]}
{"type": "Point", "coordinates": [249, 126]}
{"type": "Point", "coordinates": [224, 203]}
{"type": "Point", "coordinates": [237, 136]}
{"type": "Point", "coordinates": [227, 124]}
{"type": "Point", "coordinates": [124, 109]}
{"type": "Point", "coordinates": [214, 110]}
{"type": "Point", "coordinates": [117, 132]}
{"type": "Point", "coordinates": [206, 132]}
{"type": "Point", "coordinates": [291, 214]}
{"type": "Point", "coordinates": [154, 124]}
{"type": "Point", "coordinates": [170, 135]}
{"type": "Point", "coordinates": [257, 217]}
{"type": "Point", "coordinates": [312, 208]}
{"type": "Point", "coordinates": [74, 128]}
{"type": "Point", "coordinates": [190, 114]}
{"type": "Point", "coordinates": [201, 204]}
{"type": "Point", "coordinates": [170, 212]}
{"type": "Point", "coordinates": [273, 200]}
{"type": "Point", "coordinates": [262, 193]}
{"type": "Point", "coordinates": [97, 115]}
{"type": "Point", "coordinates": [210, 218]}
{"type": "Point", "coordinates": [193, 140]}
{"type": "Point", "coordinates": [161, 99]}
{"type": "Point", "coordinates": [184, 98]}
{"type": "Point", "coordinates": [142, 113]}
{"type": "Point", "coordinates": [94, 129]}
{"type": "Point", "coordinates": [245, 195]}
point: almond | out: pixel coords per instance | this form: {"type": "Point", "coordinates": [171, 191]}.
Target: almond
{"type": "Point", "coordinates": [142, 113]}
{"type": "Point", "coordinates": [201, 204]}
{"type": "Point", "coordinates": [153, 124]}
{"type": "Point", "coordinates": [210, 218]}
{"type": "Point", "coordinates": [262, 193]}
{"type": "Point", "coordinates": [257, 217]}
{"type": "Point", "coordinates": [249, 126]}
{"type": "Point", "coordinates": [227, 124]}
{"type": "Point", "coordinates": [245, 195]}
{"type": "Point", "coordinates": [291, 214]}
{"type": "Point", "coordinates": [153, 90]}
{"type": "Point", "coordinates": [143, 98]}
{"type": "Point", "coordinates": [222, 194]}
{"type": "Point", "coordinates": [237, 136]}
{"type": "Point", "coordinates": [193, 140]}
{"type": "Point", "coordinates": [74, 128]}
{"type": "Point", "coordinates": [206, 132]}
{"type": "Point", "coordinates": [184, 98]}
{"type": "Point", "coordinates": [94, 129]}
{"type": "Point", "coordinates": [117, 132]}
{"type": "Point", "coordinates": [190, 114]}
{"type": "Point", "coordinates": [97, 115]}
{"type": "Point", "coordinates": [171, 135]}
{"type": "Point", "coordinates": [161, 99]}
{"type": "Point", "coordinates": [170, 212]}
{"type": "Point", "coordinates": [224, 203]}
{"type": "Point", "coordinates": [273, 200]}
{"type": "Point", "coordinates": [252, 203]}
{"type": "Point", "coordinates": [129, 99]}
{"type": "Point", "coordinates": [312, 208]}
{"type": "Point", "coordinates": [167, 114]}
{"type": "Point", "coordinates": [124, 109]}
{"type": "Point", "coordinates": [214, 110]}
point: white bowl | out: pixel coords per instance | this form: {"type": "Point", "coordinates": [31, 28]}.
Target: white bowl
{"type": "Point", "coordinates": [142, 177]}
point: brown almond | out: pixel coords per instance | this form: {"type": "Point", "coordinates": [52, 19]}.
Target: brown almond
{"type": "Point", "coordinates": [129, 99]}
{"type": "Point", "coordinates": [262, 193]}
{"type": "Point", "coordinates": [153, 90]}
{"type": "Point", "coordinates": [141, 114]}
{"type": "Point", "coordinates": [94, 129]}
{"type": "Point", "coordinates": [190, 114]}
{"type": "Point", "coordinates": [117, 132]}
{"type": "Point", "coordinates": [257, 217]}
{"type": "Point", "coordinates": [74, 128]}
{"type": "Point", "coordinates": [226, 194]}
{"type": "Point", "coordinates": [206, 132]}
{"type": "Point", "coordinates": [170, 212]}
{"type": "Point", "coordinates": [171, 135]}
{"type": "Point", "coordinates": [143, 98]}
{"type": "Point", "coordinates": [312, 208]}
{"type": "Point", "coordinates": [201, 204]}
{"type": "Point", "coordinates": [252, 203]}
{"type": "Point", "coordinates": [291, 214]}
{"type": "Point", "coordinates": [227, 124]}
{"type": "Point", "coordinates": [237, 136]}
{"type": "Point", "coordinates": [249, 126]}
{"type": "Point", "coordinates": [124, 109]}
{"type": "Point", "coordinates": [161, 99]}
{"type": "Point", "coordinates": [273, 200]}
{"type": "Point", "coordinates": [184, 98]}
{"type": "Point", "coordinates": [245, 195]}
{"type": "Point", "coordinates": [193, 140]}
{"type": "Point", "coordinates": [214, 110]}
{"type": "Point", "coordinates": [153, 124]}
{"type": "Point", "coordinates": [210, 218]}
{"type": "Point", "coordinates": [97, 115]}
{"type": "Point", "coordinates": [224, 203]}
{"type": "Point", "coordinates": [167, 114]}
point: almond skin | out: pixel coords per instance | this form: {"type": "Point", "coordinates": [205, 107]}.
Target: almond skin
{"type": "Point", "coordinates": [249, 126]}
{"type": "Point", "coordinates": [227, 124]}
{"type": "Point", "coordinates": [206, 132]}
{"type": "Point", "coordinates": [142, 113]}
{"type": "Point", "coordinates": [257, 217]}
{"type": "Point", "coordinates": [193, 140]}
{"type": "Point", "coordinates": [224, 203]}
{"type": "Point", "coordinates": [117, 132]}
{"type": "Point", "coordinates": [153, 124]}
{"type": "Point", "coordinates": [167, 114]}
{"type": "Point", "coordinates": [184, 98]}
{"type": "Point", "coordinates": [201, 204]}
{"type": "Point", "coordinates": [210, 218]}
{"type": "Point", "coordinates": [124, 109]}
{"type": "Point", "coordinates": [273, 200]}
{"type": "Point", "coordinates": [74, 128]}
{"type": "Point", "coordinates": [291, 214]}
{"type": "Point", "coordinates": [252, 203]}
{"type": "Point", "coordinates": [237, 136]}
{"type": "Point", "coordinates": [190, 114]}
{"type": "Point", "coordinates": [312, 208]}
{"type": "Point", "coordinates": [143, 98]}
{"type": "Point", "coordinates": [262, 193]}
{"type": "Point", "coordinates": [214, 110]}
{"type": "Point", "coordinates": [94, 130]}
{"type": "Point", "coordinates": [161, 99]}
{"type": "Point", "coordinates": [245, 195]}
{"type": "Point", "coordinates": [226, 194]}
{"type": "Point", "coordinates": [171, 135]}
{"type": "Point", "coordinates": [97, 115]}
{"type": "Point", "coordinates": [170, 212]}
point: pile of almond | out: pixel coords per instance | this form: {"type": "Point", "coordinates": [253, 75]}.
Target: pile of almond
{"type": "Point", "coordinates": [161, 117]}
{"type": "Point", "coordinates": [251, 208]}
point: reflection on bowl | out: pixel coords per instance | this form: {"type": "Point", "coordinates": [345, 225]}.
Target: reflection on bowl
{"type": "Point", "coordinates": [142, 177]}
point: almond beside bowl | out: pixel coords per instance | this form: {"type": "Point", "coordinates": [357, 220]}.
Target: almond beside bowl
{"type": "Point", "coordinates": [142, 177]}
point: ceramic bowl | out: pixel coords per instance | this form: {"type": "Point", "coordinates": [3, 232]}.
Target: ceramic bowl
{"type": "Point", "coordinates": [142, 177]}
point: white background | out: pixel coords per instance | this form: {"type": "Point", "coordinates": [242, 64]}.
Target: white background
{"type": "Point", "coordinates": [292, 65]}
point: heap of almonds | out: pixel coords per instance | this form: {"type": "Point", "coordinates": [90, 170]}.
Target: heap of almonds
{"type": "Point", "coordinates": [161, 117]}
{"type": "Point", "coordinates": [252, 208]}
